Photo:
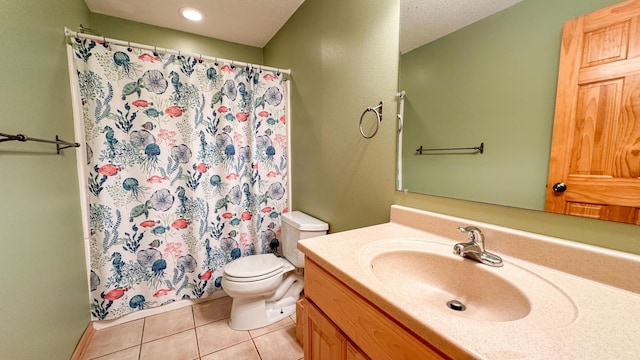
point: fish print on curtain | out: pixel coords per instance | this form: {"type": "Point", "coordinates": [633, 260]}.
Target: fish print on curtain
{"type": "Point", "coordinates": [186, 171]}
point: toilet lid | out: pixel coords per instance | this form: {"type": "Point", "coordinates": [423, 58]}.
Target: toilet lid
{"type": "Point", "coordinates": [253, 266]}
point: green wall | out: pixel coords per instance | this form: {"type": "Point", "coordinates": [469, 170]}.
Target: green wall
{"type": "Point", "coordinates": [44, 298]}
{"type": "Point", "coordinates": [495, 81]}
{"type": "Point", "coordinates": [44, 303]}
{"type": "Point", "coordinates": [344, 57]}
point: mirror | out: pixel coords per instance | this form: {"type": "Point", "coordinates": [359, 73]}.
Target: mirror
{"type": "Point", "coordinates": [492, 82]}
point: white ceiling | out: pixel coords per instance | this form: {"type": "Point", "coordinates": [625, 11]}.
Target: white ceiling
{"type": "Point", "coordinates": [423, 21]}
{"type": "Point", "coordinates": [255, 22]}
{"type": "Point", "coordinates": [248, 22]}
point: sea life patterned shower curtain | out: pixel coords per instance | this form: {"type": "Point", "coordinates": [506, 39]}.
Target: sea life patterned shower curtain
{"type": "Point", "coordinates": [186, 170]}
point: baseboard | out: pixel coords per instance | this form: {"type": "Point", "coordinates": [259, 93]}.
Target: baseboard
{"type": "Point", "coordinates": [84, 342]}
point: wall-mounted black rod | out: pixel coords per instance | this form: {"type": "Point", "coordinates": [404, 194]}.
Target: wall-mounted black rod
{"type": "Point", "coordinates": [479, 149]}
{"type": "Point", "coordinates": [23, 138]}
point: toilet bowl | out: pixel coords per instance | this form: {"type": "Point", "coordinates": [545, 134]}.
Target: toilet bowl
{"type": "Point", "coordinates": [264, 287]}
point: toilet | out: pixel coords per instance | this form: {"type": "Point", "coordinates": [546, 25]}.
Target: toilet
{"type": "Point", "coordinates": [264, 287]}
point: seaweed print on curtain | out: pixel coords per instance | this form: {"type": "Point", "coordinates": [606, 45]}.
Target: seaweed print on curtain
{"type": "Point", "coordinates": [186, 171]}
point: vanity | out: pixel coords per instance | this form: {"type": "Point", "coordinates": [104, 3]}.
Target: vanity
{"type": "Point", "coordinates": [398, 291]}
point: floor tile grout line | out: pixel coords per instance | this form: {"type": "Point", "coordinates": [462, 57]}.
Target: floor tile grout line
{"type": "Point", "coordinates": [111, 353]}
{"type": "Point", "coordinates": [225, 348]}
{"type": "Point", "coordinates": [165, 336]}
{"type": "Point", "coordinates": [256, 348]}
{"type": "Point", "coordinates": [116, 351]}
{"type": "Point", "coordinates": [269, 332]}
{"type": "Point", "coordinates": [144, 323]}
{"type": "Point", "coordinates": [195, 330]}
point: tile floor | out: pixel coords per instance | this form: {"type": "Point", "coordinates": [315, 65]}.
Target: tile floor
{"type": "Point", "coordinates": [196, 332]}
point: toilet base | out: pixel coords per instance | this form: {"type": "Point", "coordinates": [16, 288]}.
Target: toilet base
{"type": "Point", "coordinates": [256, 312]}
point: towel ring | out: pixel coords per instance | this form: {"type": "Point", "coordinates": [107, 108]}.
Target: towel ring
{"type": "Point", "coordinates": [378, 120]}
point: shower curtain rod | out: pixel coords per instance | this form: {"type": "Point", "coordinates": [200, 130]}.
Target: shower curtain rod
{"type": "Point", "coordinates": [70, 33]}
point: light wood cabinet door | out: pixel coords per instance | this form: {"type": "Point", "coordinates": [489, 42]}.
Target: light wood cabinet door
{"type": "Point", "coordinates": [353, 353]}
{"type": "Point", "coordinates": [325, 341]}
{"type": "Point", "coordinates": [322, 339]}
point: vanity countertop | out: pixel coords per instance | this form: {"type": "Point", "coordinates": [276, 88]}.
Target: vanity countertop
{"type": "Point", "coordinates": [603, 285]}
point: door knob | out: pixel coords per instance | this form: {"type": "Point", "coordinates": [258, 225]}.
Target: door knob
{"type": "Point", "coordinates": [559, 187]}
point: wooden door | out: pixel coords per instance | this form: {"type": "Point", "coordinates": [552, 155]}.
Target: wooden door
{"type": "Point", "coordinates": [594, 168]}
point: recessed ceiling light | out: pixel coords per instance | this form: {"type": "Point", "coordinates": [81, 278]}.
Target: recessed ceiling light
{"type": "Point", "coordinates": [191, 14]}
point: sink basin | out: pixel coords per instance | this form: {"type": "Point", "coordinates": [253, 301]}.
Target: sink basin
{"type": "Point", "coordinates": [427, 276]}
{"type": "Point", "coordinates": [437, 279]}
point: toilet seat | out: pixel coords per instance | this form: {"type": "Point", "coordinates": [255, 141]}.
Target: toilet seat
{"type": "Point", "coordinates": [253, 268]}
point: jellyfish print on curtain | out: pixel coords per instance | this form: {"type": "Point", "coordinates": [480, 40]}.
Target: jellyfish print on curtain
{"type": "Point", "coordinates": [186, 170]}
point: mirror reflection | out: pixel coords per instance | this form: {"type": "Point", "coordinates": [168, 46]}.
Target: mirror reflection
{"type": "Point", "coordinates": [492, 82]}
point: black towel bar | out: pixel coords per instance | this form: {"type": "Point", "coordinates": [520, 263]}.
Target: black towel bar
{"type": "Point", "coordinates": [479, 149]}
{"type": "Point", "coordinates": [23, 138]}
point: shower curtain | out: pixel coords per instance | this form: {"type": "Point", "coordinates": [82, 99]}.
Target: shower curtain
{"type": "Point", "coordinates": [186, 170]}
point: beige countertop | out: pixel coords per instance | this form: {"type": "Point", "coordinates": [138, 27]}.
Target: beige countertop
{"type": "Point", "coordinates": [600, 320]}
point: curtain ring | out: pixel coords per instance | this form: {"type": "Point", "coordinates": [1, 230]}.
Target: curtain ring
{"type": "Point", "coordinates": [232, 66]}
{"type": "Point", "coordinates": [215, 61]}
{"type": "Point", "coordinates": [104, 42]}
{"type": "Point", "coordinates": [155, 51]}
{"type": "Point", "coordinates": [200, 59]}
{"type": "Point", "coordinates": [129, 49]}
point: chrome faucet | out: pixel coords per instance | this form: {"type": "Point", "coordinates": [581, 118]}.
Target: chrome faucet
{"type": "Point", "coordinates": [474, 248]}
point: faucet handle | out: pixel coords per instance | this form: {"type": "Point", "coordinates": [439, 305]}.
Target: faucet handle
{"type": "Point", "coordinates": [466, 229]}
{"type": "Point", "coordinates": [475, 234]}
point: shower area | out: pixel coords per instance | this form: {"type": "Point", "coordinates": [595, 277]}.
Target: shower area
{"type": "Point", "coordinates": [183, 167]}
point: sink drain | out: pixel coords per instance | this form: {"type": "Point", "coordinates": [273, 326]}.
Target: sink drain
{"type": "Point", "coordinates": [456, 305]}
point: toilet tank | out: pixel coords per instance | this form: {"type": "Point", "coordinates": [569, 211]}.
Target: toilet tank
{"type": "Point", "coordinates": [296, 226]}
